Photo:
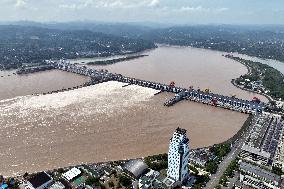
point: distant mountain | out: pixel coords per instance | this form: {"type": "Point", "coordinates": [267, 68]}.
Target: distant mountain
{"type": "Point", "coordinates": [87, 38]}
{"type": "Point", "coordinates": [29, 44]}
{"type": "Point", "coordinates": [259, 41]}
{"type": "Point", "coordinates": [131, 30]}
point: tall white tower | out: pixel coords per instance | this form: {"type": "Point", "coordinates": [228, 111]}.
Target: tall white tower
{"type": "Point", "coordinates": [178, 156]}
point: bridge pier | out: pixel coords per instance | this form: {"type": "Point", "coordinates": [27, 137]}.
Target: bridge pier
{"type": "Point", "coordinates": [181, 93]}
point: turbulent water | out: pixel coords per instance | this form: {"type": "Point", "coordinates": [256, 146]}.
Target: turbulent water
{"type": "Point", "coordinates": [100, 123]}
{"type": "Point", "coordinates": [110, 122]}
{"type": "Point", "coordinates": [186, 66]}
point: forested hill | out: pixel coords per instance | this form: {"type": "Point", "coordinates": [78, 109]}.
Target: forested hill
{"type": "Point", "coordinates": [33, 42]}
{"type": "Point", "coordinates": [26, 44]}
{"type": "Point", "coordinates": [263, 42]}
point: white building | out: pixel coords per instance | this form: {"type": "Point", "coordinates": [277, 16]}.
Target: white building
{"type": "Point", "coordinates": [71, 174]}
{"type": "Point", "coordinates": [178, 156]}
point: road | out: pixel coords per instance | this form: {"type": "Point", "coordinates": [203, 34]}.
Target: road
{"type": "Point", "coordinates": [214, 179]}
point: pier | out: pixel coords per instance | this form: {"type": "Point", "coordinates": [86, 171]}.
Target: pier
{"type": "Point", "coordinates": [208, 98]}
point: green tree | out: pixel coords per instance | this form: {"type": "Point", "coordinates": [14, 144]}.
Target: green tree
{"type": "Point", "coordinates": [211, 167]}
{"type": "Point", "coordinates": [223, 180]}
{"type": "Point", "coordinates": [197, 186]}
{"type": "Point", "coordinates": [193, 169]}
{"type": "Point", "coordinates": [218, 186]}
{"type": "Point", "coordinates": [125, 181]}
{"type": "Point", "coordinates": [92, 180]}
{"type": "Point", "coordinates": [277, 171]}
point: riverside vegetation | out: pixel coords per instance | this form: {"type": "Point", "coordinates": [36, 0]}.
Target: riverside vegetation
{"type": "Point", "coordinates": [271, 79]}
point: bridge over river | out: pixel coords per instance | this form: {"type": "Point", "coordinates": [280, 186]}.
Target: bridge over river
{"type": "Point", "coordinates": [208, 98]}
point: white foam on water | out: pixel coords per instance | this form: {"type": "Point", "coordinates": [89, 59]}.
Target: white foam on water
{"type": "Point", "coordinates": [98, 92]}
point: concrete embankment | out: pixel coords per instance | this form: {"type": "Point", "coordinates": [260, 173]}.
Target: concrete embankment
{"type": "Point", "coordinates": [86, 84]}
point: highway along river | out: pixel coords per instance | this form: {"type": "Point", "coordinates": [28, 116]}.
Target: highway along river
{"type": "Point", "coordinates": [110, 122]}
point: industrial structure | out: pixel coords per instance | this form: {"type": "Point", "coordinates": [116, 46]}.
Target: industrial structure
{"type": "Point", "coordinates": [205, 97]}
{"type": "Point", "coordinates": [264, 140]}
{"type": "Point", "coordinates": [262, 153]}
{"type": "Point", "coordinates": [257, 177]}
{"type": "Point", "coordinates": [135, 168]}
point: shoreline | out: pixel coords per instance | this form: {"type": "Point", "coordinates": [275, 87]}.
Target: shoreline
{"type": "Point", "coordinates": [113, 160]}
{"type": "Point", "coordinates": [210, 49]}
{"type": "Point", "coordinates": [233, 81]}
{"type": "Point", "coordinates": [269, 98]}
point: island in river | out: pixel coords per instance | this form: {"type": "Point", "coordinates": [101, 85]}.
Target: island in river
{"type": "Point", "coordinates": [116, 60]}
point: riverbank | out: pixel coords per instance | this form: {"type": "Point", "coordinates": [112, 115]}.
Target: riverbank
{"type": "Point", "coordinates": [269, 98]}
{"type": "Point", "coordinates": [261, 79]}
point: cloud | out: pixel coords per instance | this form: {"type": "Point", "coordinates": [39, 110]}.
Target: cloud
{"type": "Point", "coordinates": [201, 9]}
{"type": "Point", "coordinates": [154, 3]}
{"type": "Point", "coordinates": [122, 4]}
{"type": "Point", "coordinates": [20, 3]}
{"type": "Point", "coordinates": [222, 9]}
{"type": "Point", "coordinates": [68, 6]}
{"type": "Point", "coordinates": [190, 9]}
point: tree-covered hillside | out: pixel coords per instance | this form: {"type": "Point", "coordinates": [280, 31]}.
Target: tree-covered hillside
{"type": "Point", "coordinates": [24, 44]}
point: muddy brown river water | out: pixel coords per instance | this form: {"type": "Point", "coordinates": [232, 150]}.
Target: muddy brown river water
{"type": "Point", "coordinates": [110, 122]}
{"type": "Point", "coordinates": [12, 85]}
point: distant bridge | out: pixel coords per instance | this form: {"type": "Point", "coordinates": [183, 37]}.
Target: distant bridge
{"type": "Point", "coordinates": [217, 100]}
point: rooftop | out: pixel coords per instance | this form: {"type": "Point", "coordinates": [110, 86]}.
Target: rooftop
{"type": "Point", "coordinates": [260, 172]}
{"type": "Point", "coordinates": [181, 131]}
{"type": "Point", "coordinates": [136, 167]}
{"type": "Point", "coordinates": [39, 179]}
{"type": "Point", "coordinates": [72, 173]}
{"type": "Point", "coordinates": [57, 185]}
{"type": "Point", "coordinates": [255, 151]}
{"type": "Point", "coordinates": [265, 135]}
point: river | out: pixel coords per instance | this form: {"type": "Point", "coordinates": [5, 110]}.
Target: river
{"type": "Point", "coordinates": [110, 122]}
{"type": "Point", "coordinates": [185, 66]}
{"type": "Point", "coordinates": [12, 85]}
{"type": "Point", "coordinates": [270, 62]}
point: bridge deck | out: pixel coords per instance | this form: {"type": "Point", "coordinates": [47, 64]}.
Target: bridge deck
{"type": "Point", "coordinates": [181, 93]}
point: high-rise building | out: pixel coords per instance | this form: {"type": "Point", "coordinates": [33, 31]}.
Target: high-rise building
{"type": "Point", "coordinates": [178, 156]}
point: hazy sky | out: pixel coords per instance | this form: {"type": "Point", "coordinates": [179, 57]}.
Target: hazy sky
{"type": "Point", "coordinates": [163, 11]}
